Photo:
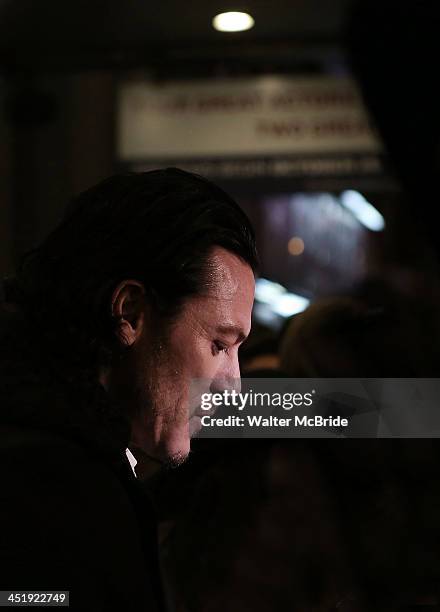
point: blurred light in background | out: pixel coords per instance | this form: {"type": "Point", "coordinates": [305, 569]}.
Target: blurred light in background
{"type": "Point", "coordinates": [364, 212]}
{"type": "Point", "coordinates": [277, 299]}
{"type": "Point", "coordinates": [295, 246]}
{"type": "Point", "coordinates": [309, 242]}
{"type": "Point", "coordinates": [290, 304]}
{"type": "Point", "coordinates": [233, 21]}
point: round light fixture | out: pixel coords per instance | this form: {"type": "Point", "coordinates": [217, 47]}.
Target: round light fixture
{"type": "Point", "coordinates": [233, 21]}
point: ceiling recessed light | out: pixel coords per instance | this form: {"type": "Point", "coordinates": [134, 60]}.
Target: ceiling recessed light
{"type": "Point", "coordinates": [233, 21]}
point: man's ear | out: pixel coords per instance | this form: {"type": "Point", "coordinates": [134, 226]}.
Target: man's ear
{"type": "Point", "coordinates": [129, 309]}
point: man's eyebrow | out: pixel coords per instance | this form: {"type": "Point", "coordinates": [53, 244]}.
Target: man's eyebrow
{"type": "Point", "coordinates": [230, 330]}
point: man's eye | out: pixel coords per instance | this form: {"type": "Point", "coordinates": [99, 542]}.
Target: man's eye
{"type": "Point", "coordinates": [219, 347]}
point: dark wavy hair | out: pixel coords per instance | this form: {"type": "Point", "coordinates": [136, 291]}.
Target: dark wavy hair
{"type": "Point", "coordinates": [157, 227]}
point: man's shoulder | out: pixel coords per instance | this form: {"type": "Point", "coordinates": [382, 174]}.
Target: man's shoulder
{"type": "Point", "coordinates": [18, 444]}
{"type": "Point", "coordinates": [70, 521]}
{"type": "Point", "coordinates": [42, 464]}
{"type": "Point", "coordinates": [53, 488]}
{"type": "Point", "coordinates": [16, 438]}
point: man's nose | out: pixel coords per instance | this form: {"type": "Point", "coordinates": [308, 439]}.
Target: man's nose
{"type": "Point", "coordinates": [228, 379]}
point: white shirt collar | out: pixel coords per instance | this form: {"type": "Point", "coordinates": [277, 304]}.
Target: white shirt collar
{"type": "Point", "coordinates": [131, 460]}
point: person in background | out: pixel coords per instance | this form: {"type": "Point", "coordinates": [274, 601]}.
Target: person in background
{"type": "Point", "coordinates": [345, 337]}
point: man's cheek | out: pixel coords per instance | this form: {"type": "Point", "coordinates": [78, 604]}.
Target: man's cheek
{"type": "Point", "coordinates": [200, 362]}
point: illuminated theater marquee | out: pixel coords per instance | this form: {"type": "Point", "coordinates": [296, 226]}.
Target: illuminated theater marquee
{"type": "Point", "coordinates": [271, 125]}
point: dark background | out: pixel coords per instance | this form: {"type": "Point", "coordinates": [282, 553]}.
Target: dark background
{"type": "Point", "coordinates": [61, 65]}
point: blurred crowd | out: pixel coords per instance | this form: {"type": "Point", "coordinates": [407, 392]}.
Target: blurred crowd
{"type": "Point", "coordinates": [314, 525]}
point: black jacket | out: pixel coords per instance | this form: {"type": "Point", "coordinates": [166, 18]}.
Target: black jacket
{"type": "Point", "coordinates": [72, 515]}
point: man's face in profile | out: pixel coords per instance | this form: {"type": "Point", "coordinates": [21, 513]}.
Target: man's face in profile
{"type": "Point", "coordinates": [201, 343]}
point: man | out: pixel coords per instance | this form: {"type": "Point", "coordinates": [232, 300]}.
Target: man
{"type": "Point", "coordinates": [146, 285]}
